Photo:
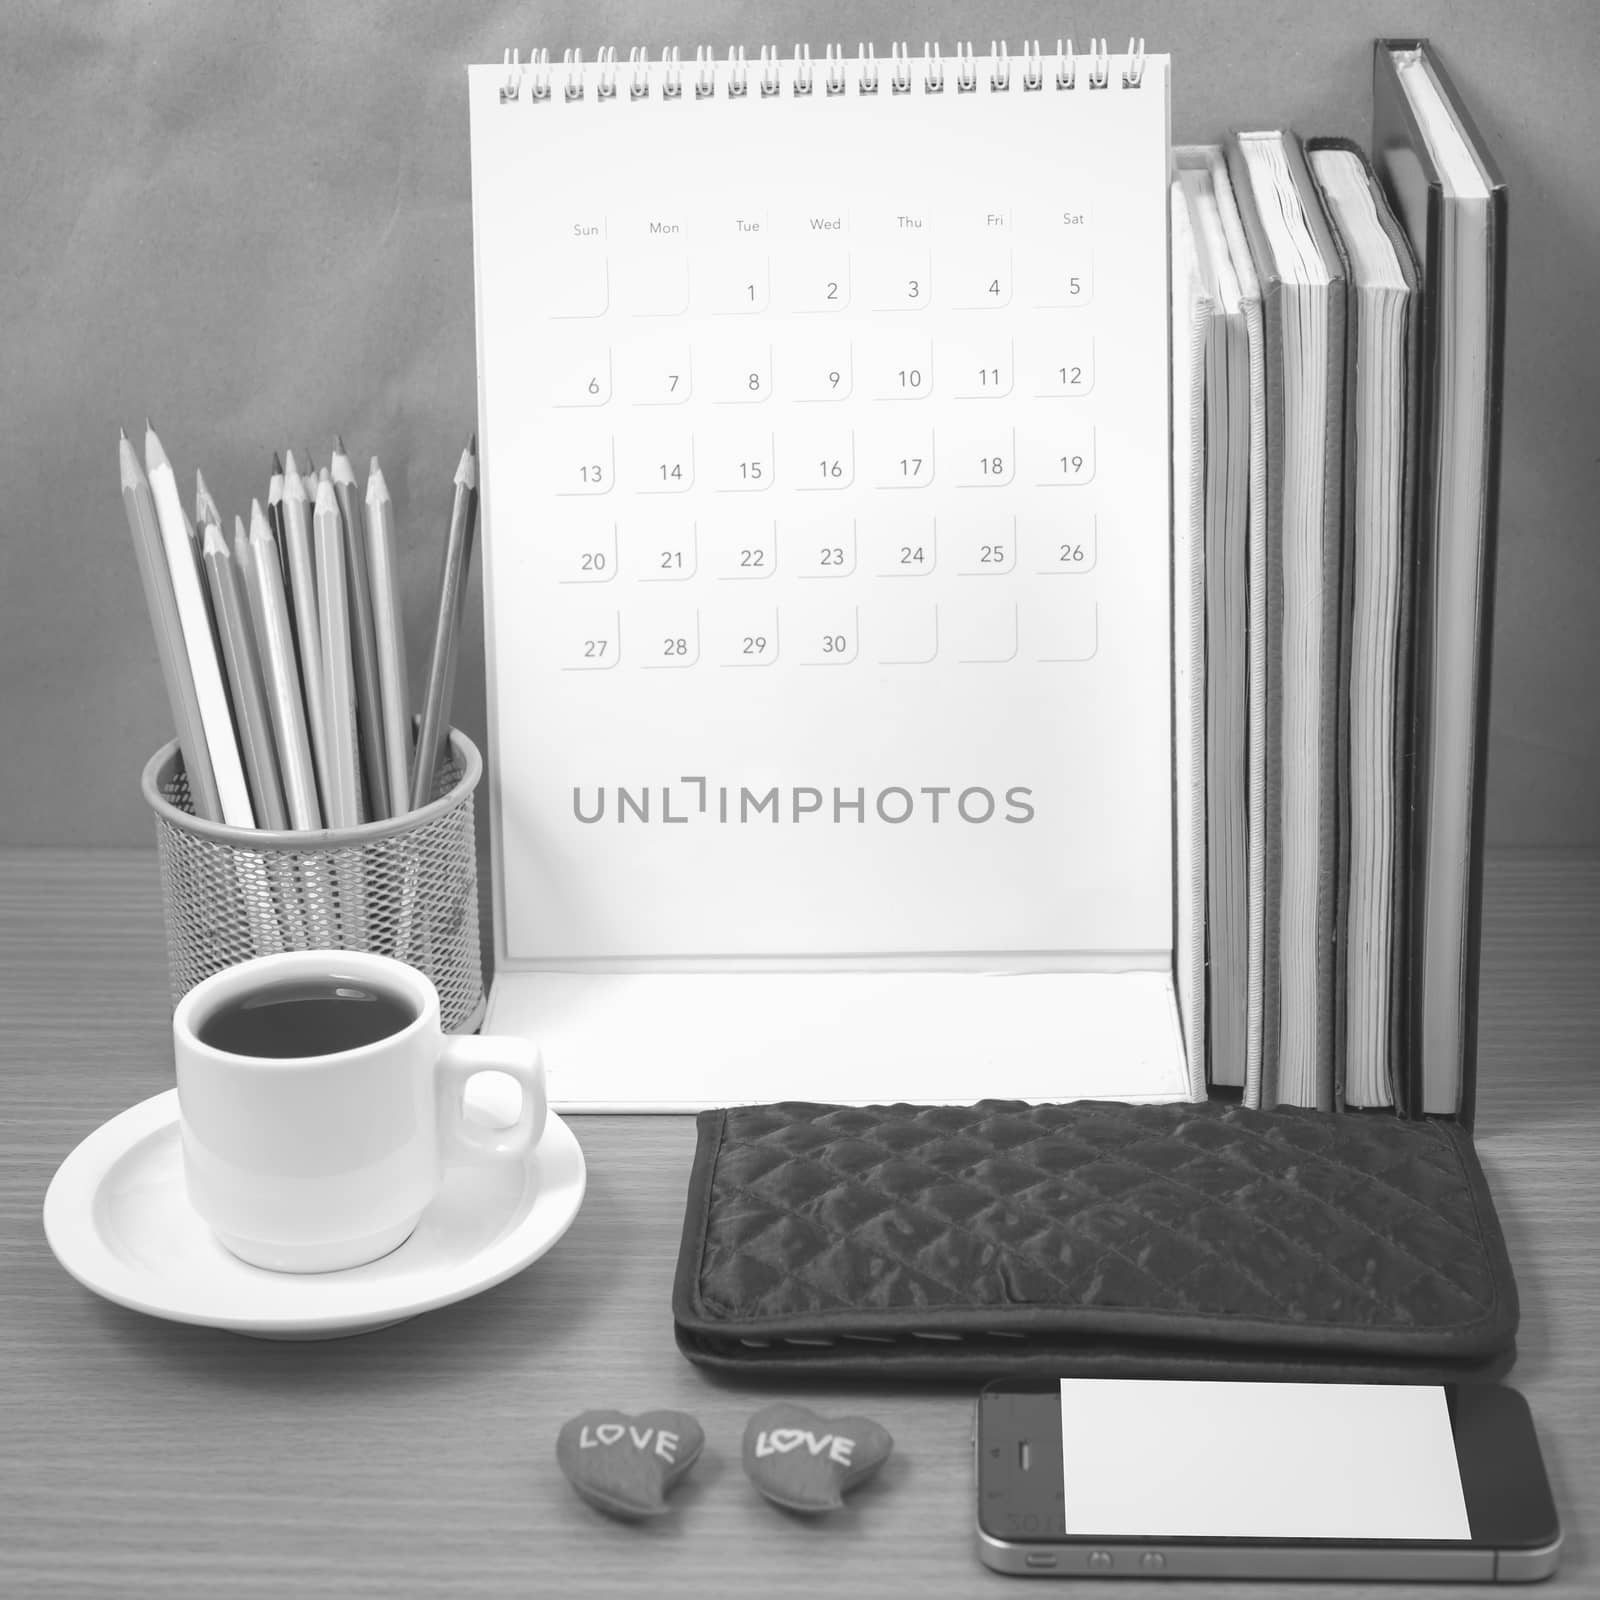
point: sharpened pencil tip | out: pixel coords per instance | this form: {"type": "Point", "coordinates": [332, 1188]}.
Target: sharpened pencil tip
{"type": "Point", "coordinates": [472, 443]}
{"type": "Point", "coordinates": [338, 444]}
{"type": "Point", "coordinates": [122, 434]}
{"type": "Point", "coordinates": [277, 463]}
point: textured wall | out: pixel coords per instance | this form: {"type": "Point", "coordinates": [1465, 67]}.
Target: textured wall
{"type": "Point", "coordinates": [251, 221]}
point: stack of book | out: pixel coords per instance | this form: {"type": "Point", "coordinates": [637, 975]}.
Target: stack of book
{"type": "Point", "coordinates": [1338, 331]}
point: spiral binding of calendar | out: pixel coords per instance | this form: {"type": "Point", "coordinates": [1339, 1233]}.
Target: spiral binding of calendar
{"type": "Point", "coordinates": [737, 76]}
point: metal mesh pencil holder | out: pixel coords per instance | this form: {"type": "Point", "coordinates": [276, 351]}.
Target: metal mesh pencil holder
{"type": "Point", "coordinates": [405, 887]}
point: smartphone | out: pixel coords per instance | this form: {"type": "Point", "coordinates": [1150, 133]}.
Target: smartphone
{"type": "Point", "coordinates": [1129, 1478]}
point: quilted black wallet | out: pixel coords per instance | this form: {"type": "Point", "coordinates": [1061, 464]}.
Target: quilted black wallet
{"type": "Point", "coordinates": [1090, 1239]}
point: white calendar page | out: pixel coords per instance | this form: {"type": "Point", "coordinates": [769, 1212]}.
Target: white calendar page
{"type": "Point", "coordinates": [826, 520]}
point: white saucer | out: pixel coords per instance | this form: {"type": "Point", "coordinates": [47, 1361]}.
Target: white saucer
{"type": "Point", "coordinates": [119, 1221]}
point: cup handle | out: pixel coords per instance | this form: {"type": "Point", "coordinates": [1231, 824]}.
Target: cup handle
{"type": "Point", "coordinates": [464, 1056]}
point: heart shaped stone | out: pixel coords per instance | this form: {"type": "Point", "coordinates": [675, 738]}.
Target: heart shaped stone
{"type": "Point", "coordinates": [625, 1465]}
{"type": "Point", "coordinates": [807, 1462]}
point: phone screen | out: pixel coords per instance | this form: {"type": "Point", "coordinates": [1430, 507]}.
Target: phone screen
{"type": "Point", "coordinates": [1173, 1459]}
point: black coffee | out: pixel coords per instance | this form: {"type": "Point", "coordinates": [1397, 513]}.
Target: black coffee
{"type": "Point", "coordinates": [306, 1017]}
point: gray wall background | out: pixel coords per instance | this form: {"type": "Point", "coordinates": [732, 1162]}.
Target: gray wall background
{"type": "Point", "coordinates": [251, 221]}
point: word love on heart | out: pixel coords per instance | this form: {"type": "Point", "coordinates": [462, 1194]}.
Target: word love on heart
{"type": "Point", "coordinates": [780, 1441]}
{"type": "Point", "coordinates": [609, 1433]}
{"type": "Point", "coordinates": [808, 1463]}
{"type": "Point", "coordinates": [625, 1465]}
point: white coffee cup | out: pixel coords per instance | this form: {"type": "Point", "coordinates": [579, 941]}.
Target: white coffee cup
{"type": "Point", "coordinates": [309, 1163]}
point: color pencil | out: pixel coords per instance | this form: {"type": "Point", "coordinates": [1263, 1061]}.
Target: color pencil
{"type": "Point", "coordinates": [282, 675]}
{"type": "Point", "coordinates": [343, 803]}
{"type": "Point", "coordinates": [452, 603]}
{"type": "Point", "coordinates": [389, 626]}
{"type": "Point", "coordinates": [275, 522]}
{"type": "Point", "coordinates": [205, 514]}
{"type": "Point", "coordinates": [156, 578]}
{"type": "Point", "coordinates": [245, 569]}
{"type": "Point", "coordinates": [232, 791]}
{"type": "Point", "coordinates": [205, 508]}
{"type": "Point", "coordinates": [363, 636]}
{"type": "Point", "coordinates": [250, 713]}
{"type": "Point", "coordinates": [307, 627]}
{"type": "Point", "coordinates": [247, 577]}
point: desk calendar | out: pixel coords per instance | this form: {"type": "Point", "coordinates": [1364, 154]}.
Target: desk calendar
{"type": "Point", "coordinates": [824, 421]}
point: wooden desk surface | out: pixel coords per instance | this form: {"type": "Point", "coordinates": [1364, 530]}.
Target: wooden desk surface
{"type": "Point", "coordinates": [143, 1458]}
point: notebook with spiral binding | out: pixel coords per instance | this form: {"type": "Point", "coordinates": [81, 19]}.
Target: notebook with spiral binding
{"type": "Point", "coordinates": [826, 530]}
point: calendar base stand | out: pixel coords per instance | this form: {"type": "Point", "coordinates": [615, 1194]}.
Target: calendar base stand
{"type": "Point", "coordinates": [682, 1042]}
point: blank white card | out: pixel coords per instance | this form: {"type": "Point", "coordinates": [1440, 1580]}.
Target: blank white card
{"type": "Point", "coordinates": [1157, 1459]}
